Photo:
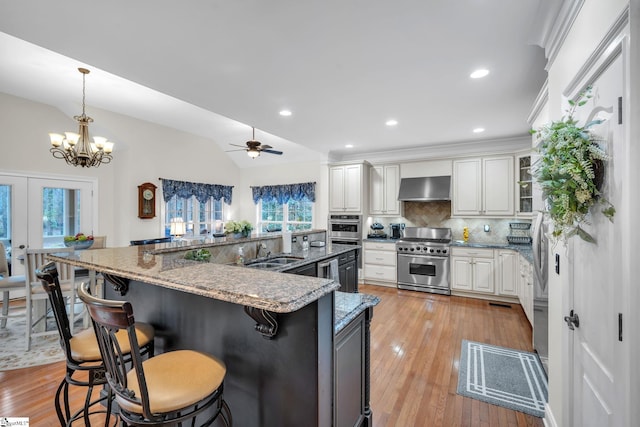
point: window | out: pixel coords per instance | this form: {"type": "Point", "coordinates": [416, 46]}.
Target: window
{"type": "Point", "coordinates": [291, 216]}
{"type": "Point", "coordinates": [199, 217]}
{"type": "Point", "coordinates": [60, 212]}
{"type": "Point", "coordinates": [201, 206]}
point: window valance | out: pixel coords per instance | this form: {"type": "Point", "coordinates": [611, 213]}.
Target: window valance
{"type": "Point", "coordinates": [201, 191]}
{"type": "Point", "coordinates": [284, 193]}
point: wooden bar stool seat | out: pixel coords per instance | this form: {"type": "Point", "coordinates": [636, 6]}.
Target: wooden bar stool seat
{"type": "Point", "coordinates": [166, 389]}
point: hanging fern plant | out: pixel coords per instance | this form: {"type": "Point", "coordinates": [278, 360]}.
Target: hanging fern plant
{"type": "Point", "coordinates": [570, 171]}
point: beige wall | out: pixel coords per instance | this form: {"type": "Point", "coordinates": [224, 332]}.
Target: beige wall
{"type": "Point", "coordinates": [144, 152]}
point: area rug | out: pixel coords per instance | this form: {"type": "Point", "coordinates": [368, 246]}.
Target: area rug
{"type": "Point", "coordinates": [501, 376]}
{"type": "Point", "coordinates": [43, 350]}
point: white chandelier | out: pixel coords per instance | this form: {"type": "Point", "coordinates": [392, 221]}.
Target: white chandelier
{"type": "Point", "coordinates": [75, 148]}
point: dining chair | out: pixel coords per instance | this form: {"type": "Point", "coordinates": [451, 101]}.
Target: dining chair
{"type": "Point", "coordinates": [8, 284]}
{"type": "Point", "coordinates": [36, 298]}
{"type": "Point", "coordinates": [99, 242]}
{"type": "Point", "coordinates": [96, 279]}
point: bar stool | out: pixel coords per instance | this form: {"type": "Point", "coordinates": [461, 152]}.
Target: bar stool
{"type": "Point", "coordinates": [166, 389]}
{"type": "Point", "coordinates": [83, 353]}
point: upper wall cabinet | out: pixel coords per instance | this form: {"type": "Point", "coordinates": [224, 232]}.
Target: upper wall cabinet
{"type": "Point", "coordinates": [524, 184]}
{"type": "Point", "coordinates": [483, 186]}
{"type": "Point", "coordinates": [384, 182]}
{"type": "Point", "coordinates": [347, 188]}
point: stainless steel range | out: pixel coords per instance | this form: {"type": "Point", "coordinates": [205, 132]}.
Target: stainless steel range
{"type": "Point", "coordinates": [423, 259]}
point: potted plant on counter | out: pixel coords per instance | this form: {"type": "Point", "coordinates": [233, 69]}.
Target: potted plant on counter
{"type": "Point", "coordinates": [238, 228]}
{"type": "Point", "coordinates": [570, 171]}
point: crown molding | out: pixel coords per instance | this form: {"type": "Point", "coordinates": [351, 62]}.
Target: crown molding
{"type": "Point", "coordinates": [507, 145]}
{"type": "Point", "coordinates": [539, 103]}
{"type": "Point", "coordinates": [554, 38]}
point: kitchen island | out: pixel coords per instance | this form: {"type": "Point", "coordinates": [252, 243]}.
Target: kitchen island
{"type": "Point", "coordinates": [289, 342]}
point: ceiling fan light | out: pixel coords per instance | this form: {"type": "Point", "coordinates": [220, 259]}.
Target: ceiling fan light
{"type": "Point", "coordinates": [253, 153]}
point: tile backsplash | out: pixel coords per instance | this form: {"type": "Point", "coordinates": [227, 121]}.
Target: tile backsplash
{"type": "Point", "coordinates": [438, 214]}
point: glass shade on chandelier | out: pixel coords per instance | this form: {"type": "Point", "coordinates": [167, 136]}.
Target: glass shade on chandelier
{"type": "Point", "coordinates": [76, 148]}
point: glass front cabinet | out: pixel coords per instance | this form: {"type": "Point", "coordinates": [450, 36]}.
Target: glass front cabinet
{"type": "Point", "coordinates": [523, 186]}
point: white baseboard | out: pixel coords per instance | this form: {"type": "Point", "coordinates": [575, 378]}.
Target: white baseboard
{"type": "Point", "coordinates": [549, 420]}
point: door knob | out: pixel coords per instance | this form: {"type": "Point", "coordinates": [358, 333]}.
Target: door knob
{"type": "Point", "coordinates": [573, 321]}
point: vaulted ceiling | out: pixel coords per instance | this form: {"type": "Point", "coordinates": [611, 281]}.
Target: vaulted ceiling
{"type": "Point", "coordinates": [343, 68]}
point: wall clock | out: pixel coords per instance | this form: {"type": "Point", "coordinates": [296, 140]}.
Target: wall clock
{"type": "Point", "coordinates": [146, 200]}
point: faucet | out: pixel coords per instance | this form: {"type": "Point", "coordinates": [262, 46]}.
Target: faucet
{"type": "Point", "coordinates": [262, 247]}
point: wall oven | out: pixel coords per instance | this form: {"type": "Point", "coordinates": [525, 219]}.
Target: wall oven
{"type": "Point", "coordinates": [423, 260]}
{"type": "Point", "coordinates": [345, 227]}
{"type": "Point", "coordinates": [346, 230]}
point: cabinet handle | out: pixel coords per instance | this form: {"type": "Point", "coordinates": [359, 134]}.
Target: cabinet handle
{"type": "Point", "coordinates": [379, 273]}
{"type": "Point", "coordinates": [379, 259]}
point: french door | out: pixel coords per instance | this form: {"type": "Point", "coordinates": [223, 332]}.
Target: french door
{"type": "Point", "coordinates": [38, 212]}
{"type": "Point", "coordinates": [13, 219]}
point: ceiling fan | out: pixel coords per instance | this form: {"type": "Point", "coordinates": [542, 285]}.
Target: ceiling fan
{"type": "Point", "coordinates": [254, 148]}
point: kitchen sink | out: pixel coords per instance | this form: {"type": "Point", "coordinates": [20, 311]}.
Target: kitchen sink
{"type": "Point", "coordinates": [272, 262]}
{"type": "Point", "coordinates": [264, 265]}
{"type": "Point", "coordinates": [284, 260]}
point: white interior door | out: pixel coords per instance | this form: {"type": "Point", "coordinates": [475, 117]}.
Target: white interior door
{"type": "Point", "coordinates": [13, 218]}
{"type": "Point", "coordinates": [58, 208]}
{"type": "Point", "coordinates": [599, 377]}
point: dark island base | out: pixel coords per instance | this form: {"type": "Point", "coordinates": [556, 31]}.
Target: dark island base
{"type": "Point", "coordinates": [284, 381]}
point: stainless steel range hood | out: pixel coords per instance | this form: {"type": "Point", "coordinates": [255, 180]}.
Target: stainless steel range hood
{"type": "Point", "coordinates": [425, 189]}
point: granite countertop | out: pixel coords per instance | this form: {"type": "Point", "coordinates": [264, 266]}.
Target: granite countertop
{"type": "Point", "coordinates": [268, 290]}
{"type": "Point", "coordinates": [349, 305]}
{"type": "Point", "coordinates": [525, 250]}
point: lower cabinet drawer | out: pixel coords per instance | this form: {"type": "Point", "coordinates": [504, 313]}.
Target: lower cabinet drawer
{"type": "Point", "coordinates": [380, 272]}
{"type": "Point", "coordinates": [380, 257]}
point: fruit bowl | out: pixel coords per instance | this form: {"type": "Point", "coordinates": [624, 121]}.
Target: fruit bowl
{"type": "Point", "coordinates": [78, 244]}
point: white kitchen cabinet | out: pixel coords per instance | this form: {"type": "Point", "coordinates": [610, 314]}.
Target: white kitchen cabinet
{"type": "Point", "coordinates": [472, 269]}
{"type": "Point", "coordinates": [524, 184]}
{"type": "Point", "coordinates": [467, 187]}
{"type": "Point", "coordinates": [483, 186]}
{"type": "Point", "coordinates": [347, 188]}
{"type": "Point", "coordinates": [525, 287]}
{"type": "Point", "coordinates": [384, 183]}
{"type": "Point", "coordinates": [508, 273]}
{"type": "Point", "coordinates": [380, 263]}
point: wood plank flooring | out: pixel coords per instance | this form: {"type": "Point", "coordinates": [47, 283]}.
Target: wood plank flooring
{"type": "Point", "coordinates": [415, 349]}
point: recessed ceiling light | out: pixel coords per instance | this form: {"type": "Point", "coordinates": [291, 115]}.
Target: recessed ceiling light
{"type": "Point", "coordinates": [285, 113]}
{"type": "Point", "coordinates": [348, 146]}
{"type": "Point", "coordinates": [391, 122]}
{"type": "Point", "coordinates": [478, 74]}
{"type": "Point", "coordinates": [478, 130]}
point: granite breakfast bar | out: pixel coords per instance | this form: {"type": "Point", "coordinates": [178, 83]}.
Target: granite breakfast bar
{"type": "Point", "coordinates": [283, 337]}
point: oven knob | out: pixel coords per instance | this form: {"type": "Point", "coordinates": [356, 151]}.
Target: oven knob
{"type": "Point", "coordinates": [444, 251]}
{"type": "Point", "coordinates": [411, 249]}
{"type": "Point", "coordinates": [431, 250]}
{"type": "Point", "coordinates": [438, 251]}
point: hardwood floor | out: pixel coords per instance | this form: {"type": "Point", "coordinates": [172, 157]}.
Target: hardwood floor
{"type": "Point", "coordinates": [415, 348]}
